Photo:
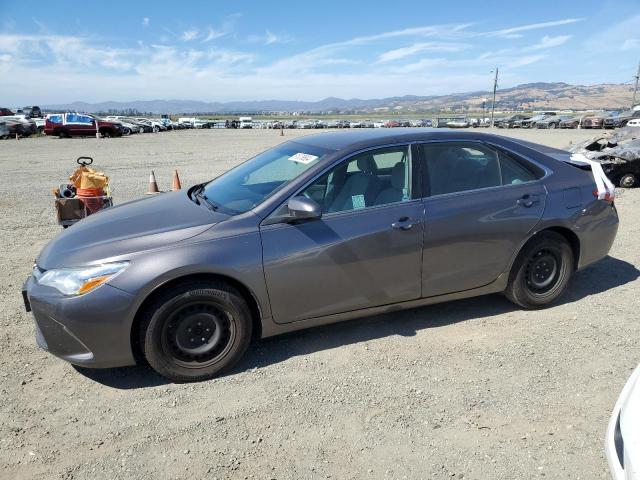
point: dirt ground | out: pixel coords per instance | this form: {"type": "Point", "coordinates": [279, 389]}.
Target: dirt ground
{"type": "Point", "coordinates": [474, 389]}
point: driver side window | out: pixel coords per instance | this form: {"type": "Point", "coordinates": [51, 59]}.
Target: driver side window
{"type": "Point", "coordinates": [372, 178]}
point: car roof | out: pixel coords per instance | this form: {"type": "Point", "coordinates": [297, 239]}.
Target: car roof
{"type": "Point", "coordinates": [365, 138]}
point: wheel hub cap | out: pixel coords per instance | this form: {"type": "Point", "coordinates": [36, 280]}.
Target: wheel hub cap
{"type": "Point", "coordinates": [198, 333]}
{"type": "Point", "coordinates": [542, 270]}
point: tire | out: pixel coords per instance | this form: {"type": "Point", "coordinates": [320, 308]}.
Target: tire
{"type": "Point", "coordinates": [190, 309]}
{"type": "Point", "coordinates": [156, 129]}
{"type": "Point", "coordinates": [552, 125]}
{"type": "Point", "coordinates": [628, 180]}
{"type": "Point", "coordinates": [541, 272]}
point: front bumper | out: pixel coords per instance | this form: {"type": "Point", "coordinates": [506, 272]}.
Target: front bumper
{"type": "Point", "coordinates": [621, 444]}
{"type": "Point", "coordinates": [91, 330]}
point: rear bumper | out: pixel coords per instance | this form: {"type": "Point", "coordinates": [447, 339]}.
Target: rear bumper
{"type": "Point", "coordinates": [91, 330]}
{"type": "Point", "coordinates": [597, 231]}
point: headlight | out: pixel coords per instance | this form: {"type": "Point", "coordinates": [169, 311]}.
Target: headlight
{"type": "Point", "coordinates": [77, 281]}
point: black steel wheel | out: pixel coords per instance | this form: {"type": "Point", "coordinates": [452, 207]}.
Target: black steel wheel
{"type": "Point", "coordinates": [195, 330]}
{"type": "Point", "coordinates": [541, 271]}
{"type": "Point", "coordinates": [198, 334]}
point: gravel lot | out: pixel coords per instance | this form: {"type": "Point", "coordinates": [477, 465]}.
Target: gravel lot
{"type": "Point", "coordinates": [474, 389]}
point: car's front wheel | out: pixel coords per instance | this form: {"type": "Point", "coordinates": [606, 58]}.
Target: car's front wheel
{"type": "Point", "coordinates": [195, 330]}
{"type": "Point", "coordinates": [541, 271]}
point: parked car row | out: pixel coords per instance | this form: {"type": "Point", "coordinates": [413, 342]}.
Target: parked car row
{"type": "Point", "coordinates": [15, 125]}
{"type": "Point", "coordinates": [28, 120]}
{"type": "Point", "coordinates": [22, 122]}
{"type": "Point", "coordinates": [319, 124]}
{"type": "Point", "coordinates": [66, 125]}
{"type": "Point", "coordinates": [554, 120]}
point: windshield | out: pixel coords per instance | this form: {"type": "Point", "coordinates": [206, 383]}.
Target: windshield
{"type": "Point", "coordinates": [250, 183]}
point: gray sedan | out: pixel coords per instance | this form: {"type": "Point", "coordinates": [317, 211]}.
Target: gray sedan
{"type": "Point", "coordinates": [318, 230]}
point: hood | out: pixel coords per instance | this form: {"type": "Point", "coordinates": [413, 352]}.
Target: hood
{"type": "Point", "coordinates": [143, 224]}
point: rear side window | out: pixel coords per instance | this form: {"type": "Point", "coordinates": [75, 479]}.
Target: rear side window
{"type": "Point", "coordinates": [513, 172]}
{"type": "Point", "coordinates": [465, 166]}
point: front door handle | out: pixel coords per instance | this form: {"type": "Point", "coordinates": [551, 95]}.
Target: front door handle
{"type": "Point", "coordinates": [527, 201]}
{"type": "Point", "coordinates": [404, 223]}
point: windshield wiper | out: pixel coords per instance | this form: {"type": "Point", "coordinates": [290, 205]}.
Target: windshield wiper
{"type": "Point", "coordinates": [196, 194]}
{"type": "Point", "coordinates": [200, 196]}
{"type": "Point", "coordinates": [211, 205]}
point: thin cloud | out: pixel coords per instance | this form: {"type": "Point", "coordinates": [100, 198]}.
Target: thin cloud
{"type": "Point", "coordinates": [212, 34]}
{"type": "Point", "coordinates": [624, 35]}
{"type": "Point", "coordinates": [145, 22]}
{"type": "Point", "coordinates": [404, 52]}
{"type": "Point", "coordinates": [269, 38]}
{"type": "Point", "coordinates": [189, 35]}
{"type": "Point", "coordinates": [631, 44]}
{"type": "Point", "coordinates": [533, 26]}
{"type": "Point", "coordinates": [41, 26]}
{"type": "Point", "coordinates": [526, 60]}
{"type": "Point", "coordinates": [310, 58]}
{"type": "Point", "coordinates": [225, 29]}
{"type": "Point", "coordinates": [550, 42]}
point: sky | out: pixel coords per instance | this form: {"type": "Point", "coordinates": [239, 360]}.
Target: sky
{"type": "Point", "coordinates": [59, 52]}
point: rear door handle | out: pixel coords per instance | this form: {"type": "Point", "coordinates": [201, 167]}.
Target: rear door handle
{"type": "Point", "coordinates": [527, 201]}
{"type": "Point", "coordinates": [404, 223]}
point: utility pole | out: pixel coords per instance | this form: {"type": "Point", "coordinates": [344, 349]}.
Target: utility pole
{"type": "Point", "coordinates": [493, 104]}
{"type": "Point", "coordinates": [635, 89]}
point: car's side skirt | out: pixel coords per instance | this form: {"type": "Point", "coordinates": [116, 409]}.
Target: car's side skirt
{"type": "Point", "coordinates": [270, 328]}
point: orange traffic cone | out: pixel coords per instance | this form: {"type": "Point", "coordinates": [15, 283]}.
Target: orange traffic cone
{"type": "Point", "coordinates": [176, 181]}
{"type": "Point", "coordinates": [153, 185]}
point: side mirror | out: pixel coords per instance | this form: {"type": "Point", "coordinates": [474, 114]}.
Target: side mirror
{"type": "Point", "coordinates": [303, 208]}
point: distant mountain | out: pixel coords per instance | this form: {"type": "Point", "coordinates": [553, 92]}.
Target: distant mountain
{"type": "Point", "coordinates": [529, 96]}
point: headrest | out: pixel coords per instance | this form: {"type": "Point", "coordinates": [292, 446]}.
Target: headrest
{"type": "Point", "coordinates": [366, 164]}
{"type": "Point", "coordinates": [398, 175]}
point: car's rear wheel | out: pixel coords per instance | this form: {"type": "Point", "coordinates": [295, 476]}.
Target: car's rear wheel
{"type": "Point", "coordinates": [541, 272]}
{"type": "Point", "coordinates": [628, 180]}
{"type": "Point", "coordinates": [552, 125]}
{"type": "Point", "coordinates": [195, 330]}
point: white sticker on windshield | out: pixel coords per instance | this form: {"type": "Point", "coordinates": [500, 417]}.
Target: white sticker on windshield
{"type": "Point", "coordinates": [304, 158]}
{"type": "Point", "coordinates": [357, 201]}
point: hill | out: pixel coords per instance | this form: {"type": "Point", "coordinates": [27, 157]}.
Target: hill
{"type": "Point", "coordinates": [530, 96]}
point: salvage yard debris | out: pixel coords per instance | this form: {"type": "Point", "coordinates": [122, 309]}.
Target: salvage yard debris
{"type": "Point", "coordinates": [618, 153]}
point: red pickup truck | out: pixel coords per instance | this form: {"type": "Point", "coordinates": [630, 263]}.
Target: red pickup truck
{"type": "Point", "coordinates": [80, 125]}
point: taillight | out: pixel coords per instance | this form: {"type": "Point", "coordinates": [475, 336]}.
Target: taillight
{"type": "Point", "coordinates": [609, 196]}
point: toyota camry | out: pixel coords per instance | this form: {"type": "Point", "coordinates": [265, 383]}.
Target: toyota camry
{"type": "Point", "coordinates": [318, 230]}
